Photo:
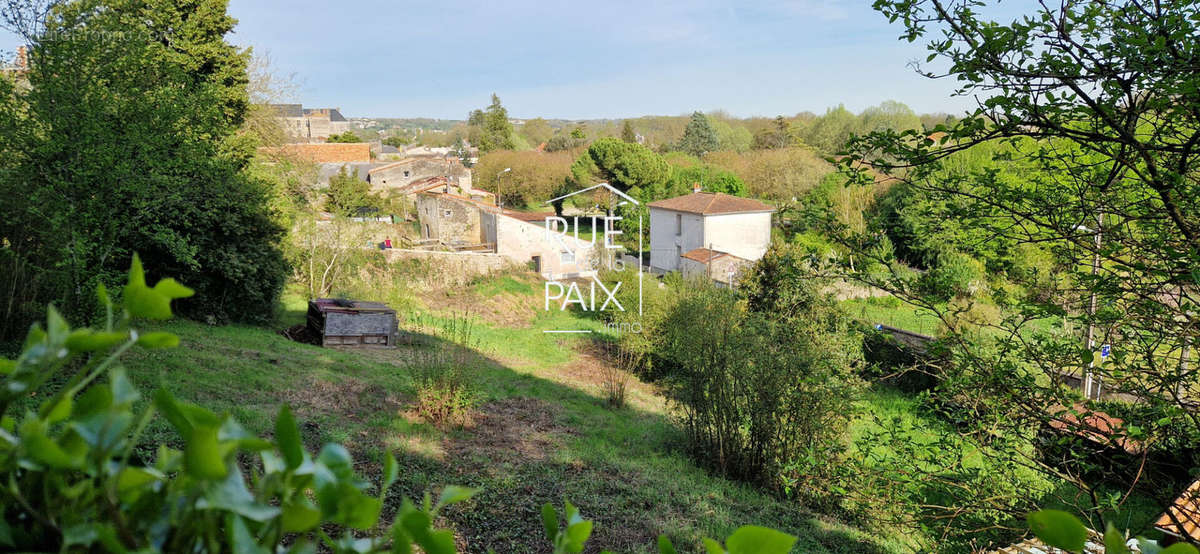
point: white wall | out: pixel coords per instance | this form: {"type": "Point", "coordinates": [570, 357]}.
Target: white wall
{"type": "Point", "coordinates": [665, 245]}
{"type": "Point", "coordinates": [521, 241]}
{"type": "Point", "coordinates": [743, 235]}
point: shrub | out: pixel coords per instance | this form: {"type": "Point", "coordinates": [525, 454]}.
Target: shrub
{"type": "Point", "coordinates": [956, 274]}
{"type": "Point", "coordinates": [761, 400]}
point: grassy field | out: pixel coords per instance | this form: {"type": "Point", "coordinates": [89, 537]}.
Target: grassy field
{"type": "Point", "coordinates": [542, 432]}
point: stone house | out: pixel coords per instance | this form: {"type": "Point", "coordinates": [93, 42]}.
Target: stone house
{"type": "Point", "coordinates": [310, 124]}
{"type": "Point", "coordinates": [465, 224]}
{"type": "Point", "coordinates": [725, 224]}
{"type": "Point", "coordinates": [401, 174]}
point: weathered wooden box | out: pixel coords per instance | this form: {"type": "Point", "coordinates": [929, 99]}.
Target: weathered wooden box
{"type": "Point", "coordinates": [338, 322]}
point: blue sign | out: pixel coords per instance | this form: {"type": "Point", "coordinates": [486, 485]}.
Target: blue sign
{"type": "Point", "coordinates": [878, 326]}
{"type": "Point", "coordinates": [1105, 351]}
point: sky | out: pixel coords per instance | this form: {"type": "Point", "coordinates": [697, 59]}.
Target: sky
{"type": "Point", "coordinates": [581, 59]}
{"type": "Point", "coordinates": [584, 59]}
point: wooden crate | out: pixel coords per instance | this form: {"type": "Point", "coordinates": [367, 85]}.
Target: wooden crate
{"type": "Point", "coordinates": [339, 322]}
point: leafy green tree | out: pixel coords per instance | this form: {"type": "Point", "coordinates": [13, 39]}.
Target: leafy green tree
{"type": "Point", "coordinates": [347, 137]}
{"type": "Point", "coordinates": [491, 129]}
{"type": "Point", "coordinates": [347, 194]}
{"type": "Point", "coordinates": [830, 132]}
{"type": "Point", "coordinates": [627, 133]}
{"type": "Point", "coordinates": [397, 141]}
{"type": "Point", "coordinates": [136, 148]}
{"type": "Point", "coordinates": [710, 179]}
{"type": "Point", "coordinates": [699, 137]}
{"type": "Point", "coordinates": [537, 131]}
{"type": "Point", "coordinates": [778, 135]}
{"type": "Point", "coordinates": [1099, 104]}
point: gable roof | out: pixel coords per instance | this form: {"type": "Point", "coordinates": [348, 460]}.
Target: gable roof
{"type": "Point", "coordinates": [704, 255]}
{"type": "Point", "coordinates": [288, 110]}
{"type": "Point", "coordinates": [712, 203]}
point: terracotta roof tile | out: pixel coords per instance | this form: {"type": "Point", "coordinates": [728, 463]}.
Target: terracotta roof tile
{"type": "Point", "coordinates": [711, 203]}
{"type": "Point", "coordinates": [704, 255]}
{"type": "Point", "coordinates": [1182, 518]}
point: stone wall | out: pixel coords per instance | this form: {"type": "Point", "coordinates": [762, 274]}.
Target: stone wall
{"type": "Point", "coordinates": [449, 220]}
{"type": "Point", "coordinates": [459, 265]}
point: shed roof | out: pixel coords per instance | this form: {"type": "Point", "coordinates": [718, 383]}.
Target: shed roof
{"type": "Point", "coordinates": [705, 255]}
{"type": "Point", "coordinates": [1182, 518]}
{"type": "Point", "coordinates": [288, 110]}
{"type": "Point", "coordinates": [712, 203]}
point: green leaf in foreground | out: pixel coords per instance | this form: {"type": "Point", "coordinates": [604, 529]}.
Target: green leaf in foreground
{"type": "Point", "coordinates": [1058, 529]}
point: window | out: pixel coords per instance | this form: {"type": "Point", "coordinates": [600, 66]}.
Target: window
{"type": "Point", "coordinates": [406, 174]}
{"type": "Point", "coordinates": [447, 213]}
{"type": "Point", "coordinates": [678, 251]}
{"type": "Point", "coordinates": [568, 257]}
{"type": "Point", "coordinates": [678, 224]}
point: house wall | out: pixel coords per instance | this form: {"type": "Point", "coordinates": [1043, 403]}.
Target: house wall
{"type": "Point", "coordinates": [419, 168]}
{"type": "Point", "coordinates": [521, 241]}
{"type": "Point", "coordinates": [743, 235]}
{"type": "Point", "coordinates": [448, 220]}
{"type": "Point", "coordinates": [666, 245]}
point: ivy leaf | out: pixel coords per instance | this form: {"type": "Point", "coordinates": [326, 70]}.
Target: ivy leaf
{"type": "Point", "coordinates": [88, 340]}
{"type": "Point", "coordinates": [665, 546]}
{"type": "Point", "coordinates": [1058, 529]}
{"type": "Point", "coordinates": [713, 547]}
{"type": "Point", "coordinates": [390, 472]}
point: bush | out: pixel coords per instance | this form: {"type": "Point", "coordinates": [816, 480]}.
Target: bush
{"type": "Point", "coordinates": [761, 400]}
{"type": "Point", "coordinates": [955, 274]}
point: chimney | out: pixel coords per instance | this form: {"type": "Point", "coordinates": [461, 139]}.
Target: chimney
{"type": "Point", "coordinates": [695, 187]}
{"type": "Point", "coordinates": [22, 58]}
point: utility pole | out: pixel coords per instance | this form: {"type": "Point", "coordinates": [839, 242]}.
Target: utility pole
{"type": "Point", "coordinates": [1091, 328]}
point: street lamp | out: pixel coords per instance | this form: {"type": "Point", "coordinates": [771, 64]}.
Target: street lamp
{"type": "Point", "coordinates": [499, 198]}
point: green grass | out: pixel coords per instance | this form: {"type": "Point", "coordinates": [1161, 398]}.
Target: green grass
{"type": "Point", "coordinates": [894, 314]}
{"type": "Point", "coordinates": [545, 433]}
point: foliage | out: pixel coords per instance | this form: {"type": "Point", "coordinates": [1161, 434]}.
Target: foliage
{"type": "Point", "coordinates": [955, 274]}
{"type": "Point", "coordinates": [710, 179]}
{"type": "Point", "coordinates": [1062, 530]}
{"type": "Point", "coordinates": [1081, 150]}
{"type": "Point", "coordinates": [765, 387]}
{"type": "Point", "coordinates": [537, 131]}
{"type": "Point", "coordinates": [347, 137]}
{"type": "Point", "coordinates": [323, 254]}
{"type": "Point", "coordinates": [398, 141]}
{"type": "Point", "coordinates": [699, 137]}
{"type": "Point", "coordinates": [490, 129]}
{"type": "Point", "coordinates": [627, 133]}
{"type": "Point", "coordinates": [79, 479]}
{"type": "Point", "coordinates": [781, 174]}
{"type": "Point", "coordinates": [778, 135]}
{"type": "Point", "coordinates": [534, 179]}
{"type": "Point", "coordinates": [347, 194]}
{"type": "Point", "coordinates": [132, 144]}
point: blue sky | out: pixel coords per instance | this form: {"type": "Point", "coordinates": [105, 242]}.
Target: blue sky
{"type": "Point", "coordinates": [579, 59]}
{"type": "Point", "coordinates": [588, 59]}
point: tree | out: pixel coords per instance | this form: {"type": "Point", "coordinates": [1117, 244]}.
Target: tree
{"type": "Point", "coordinates": [1099, 102]}
{"type": "Point", "coordinates": [699, 137]}
{"type": "Point", "coordinates": [490, 128]}
{"type": "Point", "coordinates": [779, 135]}
{"type": "Point", "coordinates": [537, 131]}
{"type": "Point", "coordinates": [137, 150]}
{"type": "Point", "coordinates": [347, 194]}
{"type": "Point", "coordinates": [627, 133]}
{"type": "Point", "coordinates": [398, 141]}
{"type": "Point", "coordinates": [347, 137]}
{"type": "Point", "coordinates": [829, 132]}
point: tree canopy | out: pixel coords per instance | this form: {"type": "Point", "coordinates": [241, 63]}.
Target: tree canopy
{"type": "Point", "coordinates": [699, 137]}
